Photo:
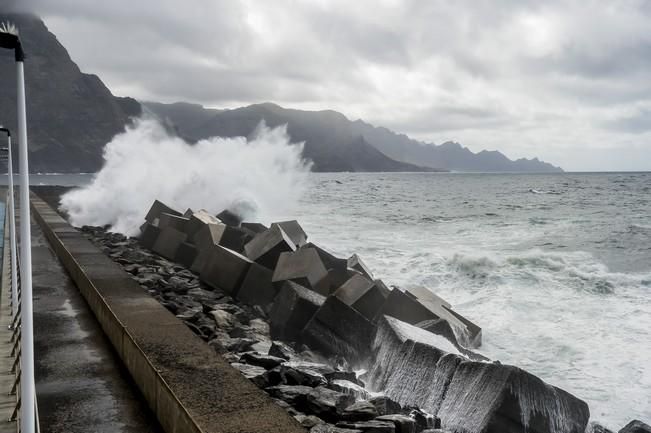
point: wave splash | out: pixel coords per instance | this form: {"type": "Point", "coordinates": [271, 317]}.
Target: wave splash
{"type": "Point", "coordinates": [258, 178]}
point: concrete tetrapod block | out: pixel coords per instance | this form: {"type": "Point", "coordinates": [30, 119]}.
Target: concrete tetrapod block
{"type": "Point", "coordinates": [174, 221]}
{"type": "Point", "coordinates": [158, 208]}
{"type": "Point", "coordinates": [303, 266]}
{"type": "Point", "coordinates": [334, 279]}
{"type": "Point", "coordinates": [355, 262]}
{"type": "Point", "coordinates": [417, 368]}
{"type": "Point", "coordinates": [293, 307]}
{"type": "Point", "coordinates": [365, 296]}
{"type": "Point", "coordinates": [329, 260]}
{"type": "Point", "coordinates": [467, 333]}
{"type": "Point", "coordinates": [337, 329]}
{"type": "Point", "coordinates": [294, 231]}
{"type": "Point", "coordinates": [257, 288]}
{"type": "Point", "coordinates": [149, 234]}
{"type": "Point", "coordinates": [254, 227]}
{"type": "Point", "coordinates": [266, 247]}
{"type": "Point", "coordinates": [186, 254]}
{"type": "Point", "coordinates": [232, 238]}
{"type": "Point", "coordinates": [413, 310]}
{"type": "Point", "coordinates": [229, 218]}
{"type": "Point", "coordinates": [224, 269]}
{"type": "Point", "coordinates": [168, 242]}
{"type": "Point", "coordinates": [197, 220]}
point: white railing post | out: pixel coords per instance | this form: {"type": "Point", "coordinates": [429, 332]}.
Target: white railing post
{"type": "Point", "coordinates": [27, 331]}
{"type": "Point", "coordinates": [12, 232]}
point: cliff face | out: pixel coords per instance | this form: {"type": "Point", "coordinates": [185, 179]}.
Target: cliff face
{"type": "Point", "coordinates": [70, 115]}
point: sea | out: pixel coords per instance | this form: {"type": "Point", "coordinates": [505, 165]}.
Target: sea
{"type": "Point", "coordinates": [556, 268]}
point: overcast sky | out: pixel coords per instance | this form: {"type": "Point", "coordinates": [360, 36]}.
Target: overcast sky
{"type": "Point", "coordinates": [567, 81]}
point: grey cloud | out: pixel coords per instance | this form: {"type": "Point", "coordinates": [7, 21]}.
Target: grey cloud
{"type": "Point", "coordinates": [505, 74]}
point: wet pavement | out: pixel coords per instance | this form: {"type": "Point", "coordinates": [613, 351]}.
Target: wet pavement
{"type": "Point", "coordinates": [81, 385]}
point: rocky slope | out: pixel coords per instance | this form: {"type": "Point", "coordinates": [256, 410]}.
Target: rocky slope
{"type": "Point", "coordinates": [71, 115]}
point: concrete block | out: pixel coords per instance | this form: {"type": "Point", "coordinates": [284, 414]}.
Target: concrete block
{"type": "Point", "coordinates": [200, 260]}
{"type": "Point", "coordinates": [168, 242]}
{"type": "Point", "coordinates": [329, 260]}
{"type": "Point", "coordinates": [294, 231]}
{"type": "Point", "coordinates": [158, 208]}
{"type": "Point", "coordinates": [254, 227]}
{"type": "Point", "coordinates": [355, 262]}
{"type": "Point", "coordinates": [365, 296]}
{"type": "Point", "coordinates": [199, 219]}
{"type": "Point", "coordinates": [232, 238]}
{"type": "Point", "coordinates": [303, 267]}
{"type": "Point", "coordinates": [174, 221]}
{"type": "Point", "coordinates": [208, 235]}
{"type": "Point", "coordinates": [334, 279]}
{"type": "Point", "coordinates": [257, 288]}
{"type": "Point", "coordinates": [149, 234]}
{"type": "Point", "coordinates": [186, 254]}
{"type": "Point", "coordinates": [337, 329]}
{"type": "Point", "coordinates": [229, 218]}
{"type": "Point", "coordinates": [292, 309]}
{"type": "Point", "coordinates": [266, 247]}
{"type": "Point", "coordinates": [224, 269]}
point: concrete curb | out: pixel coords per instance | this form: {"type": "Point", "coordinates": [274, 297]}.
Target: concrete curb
{"type": "Point", "coordinates": [187, 385]}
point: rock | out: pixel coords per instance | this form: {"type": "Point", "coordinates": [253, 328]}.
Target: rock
{"type": "Point", "coordinates": [205, 297]}
{"type": "Point", "coordinates": [292, 309]}
{"type": "Point", "coordinates": [265, 361]}
{"type": "Point", "coordinates": [237, 344]}
{"type": "Point", "coordinates": [156, 209]}
{"type": "Point", "coordinates": [260, 327]}
{"type": "Point", "coordinates": [326, 403]}
{"type": "Point", "coordinates": [177, 222]}
{"type": "Point", "coordinates": [294, 231]}
{"type": "Point", "coordinates": [349, 388]}
{"type": "Point", "coordinates": [168, 242]}
{"type": "Point", "coordinates": [329, 428]}
{"type": "Point", "coordinates": [417, 368]}
{"type": "Point", "coordinates": [359, 411]}
{"type": "Point", "coordinates": [281, 350]}
{"type": "Point", "coordinates": [372, 426]}
{"type": "Point", "coordinates": [296, 395]}
{"type": "Point", "coordinates": [266, 247]}
{"type": "Point", "coordinates": [350, 376]}
{"type": "Point", "coordinates": [308, 421]}
{"type": "Point", "coordinates": [224, 319]}
{"type": "Point", "coordinates": [257, 288]}
{"type": "Point", "coordinates": [403, 423]}
{"type": "Point", "coordinates": [364, 295]}
{"type": "Point", "coordinates": [594, 427]}
{"type": "Point", "coordinates": [225, 269]}
{"type": "Point", "coordinates": [355, 262]}
{"type": "Point", "coordinates": [424, 420]}
{"type": "Point", "coordinates": [386, 406]}
{"type": "Point", "coordinates": [298, 374]}
{"type": "Point", "coordinates": [636, 426]}
{"type": "Point", "coordinates": [337, 329]}
{"type": "Point", "coordinates": [303, 267]}
{"type": "Point", "coordinates": [229, 218]}
{"type": "Point", "coordinates": [149, 234]}
{"type": "Point", "coordinates": [254, 373]}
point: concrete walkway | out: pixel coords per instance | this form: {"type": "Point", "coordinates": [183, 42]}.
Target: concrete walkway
{"type": "Point", "coordinates": [80, 384]}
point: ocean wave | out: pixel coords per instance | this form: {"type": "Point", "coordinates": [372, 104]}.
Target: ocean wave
{"type": "Point", "coordinates": [579, 271]}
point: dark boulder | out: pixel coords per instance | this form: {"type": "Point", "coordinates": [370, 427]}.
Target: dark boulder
{"type": "Point", "coordinates": [636, 426]}
{"type": "Point", "coordinates": [359, 411]}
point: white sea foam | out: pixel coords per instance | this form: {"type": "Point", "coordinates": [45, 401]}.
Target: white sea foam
{"type": "Point", "coordinates": [257, 178]}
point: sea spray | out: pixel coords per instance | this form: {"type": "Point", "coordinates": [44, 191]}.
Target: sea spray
{"type": "Point", "coordinates": [258, 177]}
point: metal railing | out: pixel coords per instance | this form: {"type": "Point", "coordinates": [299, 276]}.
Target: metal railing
{"type": "Point", "coordinates": [23, 317]}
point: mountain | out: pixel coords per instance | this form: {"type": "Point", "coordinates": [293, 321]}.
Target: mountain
{"type": "Point", "coordinates": [70, 115]}
{"type": "Point", "coordinates": [330, 141]}
{"type": "Point", "coordinates": [449, 155]}
{"type": "Point", "coordinates": [335, 143]}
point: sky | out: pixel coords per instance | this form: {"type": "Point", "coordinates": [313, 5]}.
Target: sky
{"type": "Point", "coordinates": [566, 81]}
